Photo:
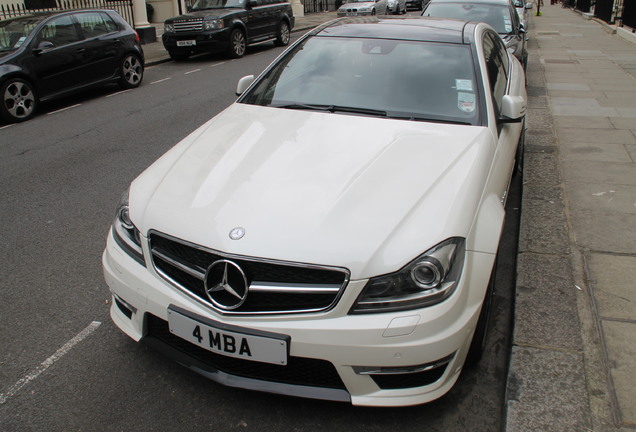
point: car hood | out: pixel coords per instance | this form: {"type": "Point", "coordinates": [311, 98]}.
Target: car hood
{"type": "Point", "coordinates": [206, 13]}
{"type": "Point", "coordinates": [357, 5]}
{"type": "Point", "coordinates": [358, 192]}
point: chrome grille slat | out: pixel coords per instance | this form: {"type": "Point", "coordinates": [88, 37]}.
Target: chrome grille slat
{"type": "Point", "coordinates": [274, 287]}
{"type": "Point", "coordinates": [188, 26]}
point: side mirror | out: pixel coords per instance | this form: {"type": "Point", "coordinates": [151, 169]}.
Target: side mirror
{"type": "Point", "coordinates": [251, 4]}
{"type": "Point", "coordinates": [522, 29]}
{"type": "Point", "coordinates": [513, 109]}
{"type": "Point", "coordinates": [244, 83]}
{"type": "Point", "coordinates": [43, 46]}
{"type": "Point", "coordinates": [528, 5]}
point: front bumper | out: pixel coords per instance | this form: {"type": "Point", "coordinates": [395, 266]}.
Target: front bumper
{"type": "Point", "coordinates": [209, 41]}
{"type": "Point", "coordinates": [384, 359]}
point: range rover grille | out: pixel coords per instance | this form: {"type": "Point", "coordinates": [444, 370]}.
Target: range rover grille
{"type": "Point", "coordinates": [274, 287]}
{"type": "Point", "coordinates": [188, 26]}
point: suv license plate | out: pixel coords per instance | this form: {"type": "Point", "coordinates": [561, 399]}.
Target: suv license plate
{"type": "Point", "coordinates": [238, 342]}
{"type": "Point", "coordinates": [186, 43]}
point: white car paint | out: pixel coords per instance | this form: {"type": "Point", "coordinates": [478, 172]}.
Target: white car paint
{"type": "Point", "coordinates": [354, 192]}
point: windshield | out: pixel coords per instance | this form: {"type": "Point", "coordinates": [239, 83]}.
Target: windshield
{"type": "Point", "coordinates": [13, 32]}
{"type": "Point", "coordinates": [497, 16]}
{"type": "Point", "coordinates": [378, 77]}
{"type": "Point", "coordinates": [218, 4]}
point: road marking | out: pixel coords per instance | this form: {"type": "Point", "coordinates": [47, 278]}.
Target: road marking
{"type": "Point", "coordinates": [63, 109]}
{"type": "Point", "coordinates": [161, 80]}
{"type": "Point", "coordinates": [217, 64]}
{"type": "Point", "coordinates": [49, 361]}
{"type": "Point", "coordinates": [192, 71]}
{"type": "Point", "coordinates": [118, 93]}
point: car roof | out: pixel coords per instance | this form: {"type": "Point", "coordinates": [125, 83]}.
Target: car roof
{"type": "Point", "coordinates": [424, 29]}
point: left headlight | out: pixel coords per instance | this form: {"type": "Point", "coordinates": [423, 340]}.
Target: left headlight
{"type": "Point", "coordinates": [427, 280]}
{"type": "Point", "coordinates": [213, 24]}
{"type": "Point", "coordinates": [125, 233]}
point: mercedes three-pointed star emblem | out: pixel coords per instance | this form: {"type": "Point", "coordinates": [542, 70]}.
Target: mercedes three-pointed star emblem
{"type": "Point", "coordinates": [226, 285]}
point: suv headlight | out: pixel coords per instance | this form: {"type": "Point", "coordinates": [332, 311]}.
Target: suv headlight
{"type": "Point", "coordinates": [168, 28]}
{"type": "Point", "coordinates": [125, 233]}
{"type": "Point", "coordinates": [427, 280]}
{"type": "Point", "coordinates": [213, 24]}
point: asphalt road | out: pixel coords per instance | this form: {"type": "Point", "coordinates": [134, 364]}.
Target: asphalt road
{"type": "Point", "coordinates": [65, 367]}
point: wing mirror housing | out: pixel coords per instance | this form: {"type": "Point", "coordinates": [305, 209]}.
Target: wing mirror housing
{"type": "Point", "coordinates": [43, 46]}
{"type": "Point", "coordinates": [513, 109]}
{"type": "Point", "coordinates": [244, 83]}
{"type": "Point", "coordinates": [528, 5]}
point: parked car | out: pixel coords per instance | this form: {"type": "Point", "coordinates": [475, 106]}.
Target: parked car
{"type": "Point", "coordinates": [522, 10]}
{"type": "Point", "coordinates": [48, 55]}
{"type": "Point", "coordinates": [417, 4]}
{"type": "Point", "coordinates": [363, 8]}
{"type": "Point", "coordinates": [499, 14]}
{"type": "Point", "coordinates": [327, 237]}
{"type": "Point", "coordinates": [396, 7]}
{"type": "Point", "coordinates": [227, 26]}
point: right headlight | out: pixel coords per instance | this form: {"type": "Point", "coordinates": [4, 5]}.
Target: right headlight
{"type": "Point", "coordinates": [125, 233]}
{"type": "Point", "coordinates": [427, 280]}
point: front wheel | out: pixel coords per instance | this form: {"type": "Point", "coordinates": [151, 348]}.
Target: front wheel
{"type": "Point", "coordinates": [19, 100]}
{"type": "Point", "coordinates": [282, 39]}
{"type": "Point", "coordinates": [132, 71]}
{"type": "Point", "coordinates": [478, 344]}
{"type": "Point", "coordinates": [237, 44]}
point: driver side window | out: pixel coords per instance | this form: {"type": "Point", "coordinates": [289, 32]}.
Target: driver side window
{"type": "Point", "coordinates": [59, 31]}
{"type": "Point", "coordinates": [496, 66]}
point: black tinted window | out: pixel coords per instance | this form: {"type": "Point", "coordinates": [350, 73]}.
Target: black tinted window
{"type": "Point", "coordinates": [496, 65]}
{"type": "Point", "coordinates": [405, 79]}
{"type": "Point", "coordinates": [59, 31]}
{"type": "Point", "coordinates": [95, 24]}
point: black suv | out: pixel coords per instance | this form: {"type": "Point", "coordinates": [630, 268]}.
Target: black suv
{"type": "Point", "coordinates": [227, 26]}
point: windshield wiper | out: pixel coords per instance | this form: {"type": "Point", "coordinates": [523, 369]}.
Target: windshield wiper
{"type": "Point", "coordinates": [428, 119]}
{"type": "Point", "coordinates": [335, 108]}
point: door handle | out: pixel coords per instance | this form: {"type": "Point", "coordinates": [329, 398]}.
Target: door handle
{"type": "Point", "coordinates": [81, 50]}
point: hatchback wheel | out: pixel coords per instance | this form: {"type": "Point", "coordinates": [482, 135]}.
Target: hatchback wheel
{"type": "Point", "coordinates": [18, 100]}
{"type": "Point", "coordinates": [282, 39]}
{"type": "Point", "coordinates": [132, 71]}
{"type": "Point", "coordinates": [237, 44]}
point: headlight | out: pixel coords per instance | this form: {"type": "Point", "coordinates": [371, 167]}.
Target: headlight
{"type": "Point", "coordinates": [213, 24]}
{"type": "Point", "coordinates": [168, 28]}
{"type": "Point", "coordinates": [427, 280]}
{"type": "Point", "coordinates": [125, 233]}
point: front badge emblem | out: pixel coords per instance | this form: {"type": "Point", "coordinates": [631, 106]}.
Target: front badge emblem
{"type": "Point", "coordinates": [226, 285]}
{"type": "Point", "coordinates": [237, 233]}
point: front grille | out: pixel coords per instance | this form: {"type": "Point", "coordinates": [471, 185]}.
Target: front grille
{"type": "Point", "coordinates": [188, 26]}
{"type": "Point", "coordinates": [298, 371]}
{"type": "Point", "coordinates": [274, 287]}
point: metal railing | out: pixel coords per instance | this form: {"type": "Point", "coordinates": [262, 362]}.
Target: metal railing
{"type": "Point", "coordinates": [123, 7]}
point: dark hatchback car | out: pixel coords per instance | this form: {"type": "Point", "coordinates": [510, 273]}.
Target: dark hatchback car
{"type": "Point", "coordinates": [227, 26]}
{"type": "Point", "coordinates": [44, 56]}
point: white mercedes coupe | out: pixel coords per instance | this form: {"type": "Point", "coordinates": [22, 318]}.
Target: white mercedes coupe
{"type": "Point", "coordinates": [333, 233]}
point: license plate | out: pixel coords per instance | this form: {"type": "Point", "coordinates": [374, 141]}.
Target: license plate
{"type": "Point", "coordinates": [186, 43]}
{"type": "Point", "coordinates": [230, 341]}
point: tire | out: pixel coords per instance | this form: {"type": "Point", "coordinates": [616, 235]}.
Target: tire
{"type": "Point", "coordinates": [132, 71]}
{"type": "Point", "coordinates": [518, 170]}
{"type": "Point", "coordinates": [19, 100]}
{"type": "Point", "coordinates": [397, 10]}
{"type": "Point", "coordinates": [283, 36]}
{"type": "Point", "coordinates": [178, 57]}
{"type": "Point", "coordinates": [237, 46]}
{"type": "Point", "coordinates": [478, 344]}
{"type": "Point", "coordinates": [373, 12]}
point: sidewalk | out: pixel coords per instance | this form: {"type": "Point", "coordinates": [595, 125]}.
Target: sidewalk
{"type": "Point", "coordinates": [155, 53]}
{"type": "Point", "coordinates": [573, 363]}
